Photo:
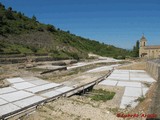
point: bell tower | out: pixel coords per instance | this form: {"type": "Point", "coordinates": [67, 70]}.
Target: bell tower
{"type": "Point", "coordinates": [143, 41]}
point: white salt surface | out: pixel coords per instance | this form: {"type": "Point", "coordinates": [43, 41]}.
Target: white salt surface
{"type": "Point", "coordinates": [7, 108]}
{"type": "Point", "coordinates": [131, 75]}
{"type": "Point", "coordinates": [132, 81]}
{"type": "Point", "coordinates": [128, 101]}
{"type": "Point", "coordinates": [15, 80]}
{"type": "Point", "coordinates": [7, 90]}
{"type": "Point", "coordinates": [39, 82]}
{"type": "Point", "coordinates": [23, 85]}
{"type": "Point", "coordinates": [139, 75]}
{"type": "Point", "coordinates": [64, 89]}
{"type": "Point", "coordinates": [2, 102]}
{"type": "Point", "coordinates": [51, 94]}
{"type": "Point", "coordinates": [14, 96]}
{"type": "Point", "coordinates": [137, 71]}
{"type": "Point", "coordinates": [28, 101]}
{"type": "Point", "coordinates": [150, 80]}
{"type": "Point", "coordinates": [119, 75]}
{"type": "Point", "coordinates": [43, 87]}
{"type": "Point", "coordinates": [145, 90]}
{"type": "Point", "coordinates": [129, 84]}
{"type": "Point", "coordinates": [108, 82]}
{"type": "Point", "coordinates": [121, 71]}
{"type": "Point", "coordinates": [133, 92]}
{"type": "Point", "coordinates": [118, 78]}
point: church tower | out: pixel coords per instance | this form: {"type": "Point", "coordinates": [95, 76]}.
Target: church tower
{"type": "Point", "coordinates": [143, 41]}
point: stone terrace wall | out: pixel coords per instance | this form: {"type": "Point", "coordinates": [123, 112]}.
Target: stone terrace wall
{"type": "Point", "coordinates": [153, 68]}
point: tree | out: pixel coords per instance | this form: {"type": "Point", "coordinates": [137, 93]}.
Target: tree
{"type": "Point", "coordinates": [19, 14]}
{"type": "Point", "coordinates": [68, 31]}
{"type": "Point", "coordinates": [10, 8]}
{"type": "Point", "coordinates": [1, 19]}
{"type": "Point", "coordinates": [9, 13]}
{"type": "Point", "coordinates": [136, 49]}
{"type": "Point", "coordinates": [50, 28]}
{"type": "Point", "coordinates": [2, 6]}
{"type": "Point", "coordinates": [5, 29]}
{"type": "Point", "coordinates": [34, 18]}
{"type": "Point", "coordinates": [39, 28]}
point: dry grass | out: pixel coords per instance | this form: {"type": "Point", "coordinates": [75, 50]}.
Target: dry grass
{"type": "Point", "coordinates": [134, 66]}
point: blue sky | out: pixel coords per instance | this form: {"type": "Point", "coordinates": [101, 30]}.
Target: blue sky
{"type": "Point", "coordinates": [116, 22]}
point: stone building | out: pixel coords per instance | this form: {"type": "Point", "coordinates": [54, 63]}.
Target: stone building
{"type": "Point", "coordinates": [150, 52]}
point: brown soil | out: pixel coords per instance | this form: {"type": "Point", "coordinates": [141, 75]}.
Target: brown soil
{"type": "Point", "coordinates": [134, 66]}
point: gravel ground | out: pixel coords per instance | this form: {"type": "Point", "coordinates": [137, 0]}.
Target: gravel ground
{"type": "Point", "coordinates": [74, 108]}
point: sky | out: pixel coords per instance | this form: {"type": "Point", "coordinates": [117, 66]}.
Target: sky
{"type": "Point", "coordinates": [115, 22]}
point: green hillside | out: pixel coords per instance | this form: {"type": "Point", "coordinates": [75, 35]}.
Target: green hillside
{"type": "Point", "coordinates": [20, 34]}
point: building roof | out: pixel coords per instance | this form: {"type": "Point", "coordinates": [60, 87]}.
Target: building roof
{"type": "Point", "coordinates": [152, 47]}
{"type": "Point", "coordinates": [143, 38]}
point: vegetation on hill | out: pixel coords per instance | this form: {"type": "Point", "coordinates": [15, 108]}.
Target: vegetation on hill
{"type": "Point", "coordinates": [20, 34]}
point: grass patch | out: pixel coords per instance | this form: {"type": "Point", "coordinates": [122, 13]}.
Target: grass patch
{"type": "Point", "coordinates": [101, 95]}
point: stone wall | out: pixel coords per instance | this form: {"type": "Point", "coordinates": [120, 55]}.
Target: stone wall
{"type": "Point", "coordinates": [153, 68]}
{"type": "Point", "coordinates": [14, 60]}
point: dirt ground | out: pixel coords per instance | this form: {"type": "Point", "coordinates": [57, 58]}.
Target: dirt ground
{"type": "Point", "coordinates": [75, 108]}
{"type": "Point", "coordinates": [134, 66]}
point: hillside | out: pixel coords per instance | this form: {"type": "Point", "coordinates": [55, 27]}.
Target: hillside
{"type": "Point", "coordinates": [20, 34]}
